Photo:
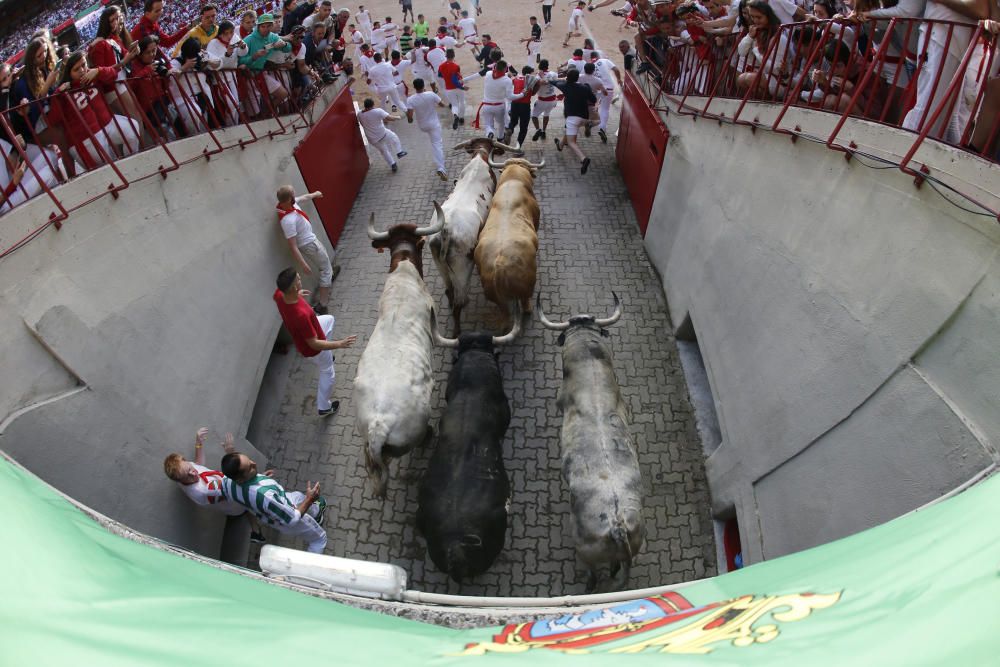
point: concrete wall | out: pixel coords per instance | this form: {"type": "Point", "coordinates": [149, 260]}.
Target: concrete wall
{"type": "Point", "coordinates": [848, 321]}
{"type": "Point", "coordinates": [140, 320]}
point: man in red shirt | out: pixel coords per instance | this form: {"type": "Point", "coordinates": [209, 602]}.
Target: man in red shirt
{"type": "Point", "coordinates": [454, 88]}
{"type": "Point", "coordinates": [149, 25]}
{"type": "Point", "coordinates": [311, 334]}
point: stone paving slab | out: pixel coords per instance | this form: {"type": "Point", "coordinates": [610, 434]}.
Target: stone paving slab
{"type": "Point", "coordinates": [589, 245]}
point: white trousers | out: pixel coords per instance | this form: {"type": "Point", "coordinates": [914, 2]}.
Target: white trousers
{"type": "Point", "coordinates": [929, 97]}
{"type": "Point", "coordinates": [437, 145]}
{"type": "Point", "coordinates": [390, 94]}
{"type": "Point", "coordinates": [120, 131]}
{"type": "Point", "coordinates": [388, 146]}
{"type": "Point", "coordinates": [534, 48]}
{"type": "Point", "coordinates": [604, 109]}
{"type": "Point", "coordinates": [30, 185]}
{"type": "Point", "coordinates": [542, 108]}
{"type": "Point", "coordinates": [494, 118]}
{"type": "Point", "coordinates": [324, 362]}
{"type": "Point", "coordinates": [456, 98]}
{"type": "Point", "coordinates": [311, 532]}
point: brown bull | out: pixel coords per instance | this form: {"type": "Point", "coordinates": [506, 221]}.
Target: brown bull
{"type": "Point", "coordinates": [506, 254]}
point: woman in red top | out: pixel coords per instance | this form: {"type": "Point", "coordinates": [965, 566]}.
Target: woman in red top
{"type": "Point", "coordinates": [146, 78]}
{"type": "Point", "coordinates": [107, 50]}
{"type": "Point", "coordinates": [90, 126]}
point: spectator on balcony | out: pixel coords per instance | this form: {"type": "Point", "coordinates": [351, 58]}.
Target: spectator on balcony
{"type": "Point", "coordinates": [768, 46]}
{"type": "Point", "coordinates": [301, 75]}
{"type": "Point", "coordinates": [37, 79]}
{"type": "Point", "coordinates": [318, 52]}
{"type": "Point", "coordinates": [21, 175]}
{"type": "Point", "coordinates": [107, 50]}
{"type": "Point", "coordinates": [148, 72]}
{"type": "Point", "coordinates": [149, 25]}
{"type": "Point", "coordinates": [189, 89]}
{"type": "Point", "coordinates": [894, 90]}
{"type": "Point", "coordinates": [323, 15]}
{"type": "Point", "coordinates": [985, 138]}
{"type": "Point", "coordinates": [205, 31]}
{"type": "Point", "coordinates": [95, 134]}
{"type": "Point", "coordinates": [294, 13]}
{"type": "Point", "coordinates": [834, 85]}
{"type": "Point", "coordinates": [228, 50]}
{"type": "Point", "coordinates": [248, 22]}
{"type": "Point", "coordinates": [260, 44]}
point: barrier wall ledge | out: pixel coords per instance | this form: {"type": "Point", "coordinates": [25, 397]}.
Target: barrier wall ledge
{"type": "Point", "coordinates": [848, 321]}
{"type": "Point", "coordinates": [141, 319]}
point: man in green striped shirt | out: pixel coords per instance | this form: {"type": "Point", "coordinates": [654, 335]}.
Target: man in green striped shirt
{"type": "Point", "coordinates": [406, 40]}
{"type": "Point", "coordinates": [292, 513]}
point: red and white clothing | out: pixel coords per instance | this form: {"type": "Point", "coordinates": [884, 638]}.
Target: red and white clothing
{"type": "Point", "coordinates": [40, 159]}
{"type": "Point", "coordinates": [575, 20]}
{"type": "Point", "coordinates": [364, 21]}
{"type": "Point", "coordinates": [577, 63]}
{"type": "Point", "coordinates": [90, 126]}
{"type": "Point", "coordinates": [469, 30]}
{"type": "Point", "coordinates": [548, 95]}
{"type": "Point", "coordinates": [366, 61]}
{"type": "Point", "coordinates": [207, 492]}
{"type": "Point", "coordinates": [382, 79]}
{"type": "Point", "coordinates": [218, 49]}
{"type": "Point", "coordinates": [380, 136]}
{"type": "Point", "coordinates": [421, 68]}
{"type": "Point", "coordinates": [435, 58]}
{"type": "Point", "coordinates": [446, 42]}
{"type": "Point", "coordinates": [424, 107]}
{"type": "Point", "coordinates": [378, 39]}
{"type": "Point", "coordinates": [303, 323]}
{"type": "Point", "coordinates": [108, 52]}
{"type": "Point", "coordinates": [295, 225]}
{"type": "Point", "coordinates": [391, 39]}
{"type": "Point", "coordinates": [399, 72]}
{"type": "Point", "coordinates": [498, 90]}
{"type": "Point", "coordinates": [454, 86]}
{"type": "Point", "coordinates": [358, 40]}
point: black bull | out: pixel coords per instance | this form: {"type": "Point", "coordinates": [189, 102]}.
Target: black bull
{"type": "Point", "coordinates": [465, 494]}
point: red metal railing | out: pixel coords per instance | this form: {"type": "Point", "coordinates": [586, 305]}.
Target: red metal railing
{"type": "Point", "coordinates": [937, 79]}
{"type": "Point", "coordinates": [47, 142]}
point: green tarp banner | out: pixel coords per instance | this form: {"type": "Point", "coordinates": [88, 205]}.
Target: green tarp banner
{"type": "Point", "coordinates": [921, 590]}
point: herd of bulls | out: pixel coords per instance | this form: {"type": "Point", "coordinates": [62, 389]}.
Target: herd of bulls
{"type": "Point", "coordinates": [490, 224]}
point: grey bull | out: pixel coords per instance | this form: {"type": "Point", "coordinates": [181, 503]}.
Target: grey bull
{"type": "Point", "coordinates": [599, 462]}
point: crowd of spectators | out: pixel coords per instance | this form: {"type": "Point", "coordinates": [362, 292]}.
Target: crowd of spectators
{"type": "Point", "coordinates": [750, 47]}
{"type": "Point", "coordinates": [143, 81]}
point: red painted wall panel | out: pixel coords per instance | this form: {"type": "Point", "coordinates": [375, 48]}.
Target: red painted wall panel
{"type": "Point", "coordinates": [332, 158]}
{"type": "Point", "coordinates": [642, 142]}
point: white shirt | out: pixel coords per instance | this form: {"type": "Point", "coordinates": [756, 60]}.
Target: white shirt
{"type": "Point", "coordinates": [576, 64]}
{"type": "Point", "coordinates": [574, 18]}
{"type": "Point", "coordinates": [296, 226]}
{"type": "Point", "coordinates": [357, 38]}
{"type": "Point", "coordinates": [468, 27]}
{"type": "Point", "coordinates": [604, 69]}
{"type": "Point", "coordinates": [547, 89]}
{"type": "Point", "coordinates": [596, 85]}
{"type": "Point", "coordinates": [424, 107]}
{"type": "Point", "coordinates": [447, 41]}
{"type": "Point", "coordinates": [784, 10]}
{"type": "Point", "coordinates": [378, 37]}
{"type": "Point", "coordinates": [436, 57]}
{"type": "Point", "coordinates": [207, 492]}
{"type": "Point", "coordinates": [400, 69]}
{"type": "Point", "coordinates": [364, 18]}
{"type": "Point", "coordinates": [390, 30]}
{"type": "Point", "coordinates": [498, 90]}
{"type": "Point", "coordinates": [367, 62]}
{"type": "Point", "coordinates": [217, 50]}
{"type": "Point", "coordinates": [420, 68]}
{"type": "Point", "coordinates": [373, 124]}
{"type": "Point", "coordinates": [381, 75]}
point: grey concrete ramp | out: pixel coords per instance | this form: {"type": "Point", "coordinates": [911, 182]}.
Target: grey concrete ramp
{"type": "Point", "coordinates": [589, 245]}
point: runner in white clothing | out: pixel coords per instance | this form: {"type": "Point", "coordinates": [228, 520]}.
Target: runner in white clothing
{"type": "Point", "coordinates": [391, 39]}
{"type": "Point", "coordinates": [382, 79]}
{"type": "Point", "coordinates": [378, 38]}
{"type": "Point", "coordinates": [601, 93]}
{"type": "Point", "coordinates": [498, 90]}
{"type": "Point", "coordinates": [435, 56]}
{"type": "Point", "coordinates": [533, 44]}
{"type": "Point", "coordinates": [575, 23]}
{"type": "Point", "coordinates": [469, 30]}
{"type": "Point", "coordinates": [422, 107]}
{"type": "Point", "coordinates": [364, 19]}
{"type": "Point", "coordinates": [358, 40]}
{"type": "Point", "coordinates": [446, 41]}
{"type": "Point", "coordinates": [548, 97]}
{"type": "Point", "coordinates": [373, 120]}
{"type": "Point", "coordinates": [400, 66]}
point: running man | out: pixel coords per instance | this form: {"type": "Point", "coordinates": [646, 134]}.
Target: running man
{"type": "Point", "coordinates": [548, 96]}
{"type": "Point", "coordinates": [454, 88]}
{"type": "Point", "coordinates": [422, 106]}
{"type": "Point", "coordinates": [373, 121]}
{"type": "Point", "coordinates": [547, 12]}
{"type": "Point", "coordinates": [498, 90]}
{"type": "Point", "coordinates": [575, 23]}
{"type": "Point", "coordinates": [391, 38]}
{"type": "Point", "coordinates": [525, 85]}
{"type": "Point", "coordinates": [533, 43]}
{"type": "Point", "coordinates": [364, 21]}
{"type": "Point", "coordinates": [407, 7]}
{"type": "Point", "coordinates": [469, 31]}
{"type": "Point", "coordinates": [589, 78]}
{"type": "Point", "coordinates": [307, 250]}
{"type": "Point", "coordinates": [382, 79]}
{"type": "Point", "coordinates": [577, 101]}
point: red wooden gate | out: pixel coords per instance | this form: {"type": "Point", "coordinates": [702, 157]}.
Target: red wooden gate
{"type": "Point", "coordinates": [332, 158]}
{"type": "Point", "coordinates": [642, 141]}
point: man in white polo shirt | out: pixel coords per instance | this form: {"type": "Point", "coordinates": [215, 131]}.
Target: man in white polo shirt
{"type": "Point", "coordinates": [422, 107]}
{"type": "Point", "coordinates": [373, 119]}
{"type": "Point", "coordinates": [498, 90]}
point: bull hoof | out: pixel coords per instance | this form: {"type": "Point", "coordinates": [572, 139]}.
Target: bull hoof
{"type": "Point", "coordinates": [591, 583]}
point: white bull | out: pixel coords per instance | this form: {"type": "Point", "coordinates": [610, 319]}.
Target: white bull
{"type": "Point", "coordinates": [599, 460]}
{"type": "Point", "coordinates": [465, 212]}
{"type": "Point", "coordinates": [392, 390]}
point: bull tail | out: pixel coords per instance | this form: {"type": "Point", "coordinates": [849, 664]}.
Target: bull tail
{"type": "Point", "coordinates": [375, 464]}
{"type": "Point", "coordinates": [620, 536]}
{"type": "Point", "coordinates": [456, 561]}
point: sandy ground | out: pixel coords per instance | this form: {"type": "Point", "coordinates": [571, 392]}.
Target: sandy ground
{"type": "Point", "coordinates": [507, 22]}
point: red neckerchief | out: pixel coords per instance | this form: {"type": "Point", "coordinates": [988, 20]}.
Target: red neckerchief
{"type": "Point", "coordinates": [396, 62]}
{"type": "Point", "coordinates": [578, 58]}
{"type": "Point", "coordinates": [368, 54]}
{"type": "Point", "coordinates": [295, 209]}
{"type": "Point", "coordinates": [498, 73]}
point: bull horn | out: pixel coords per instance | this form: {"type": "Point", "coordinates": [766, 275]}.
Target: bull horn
{"type": "Point", "coordinates": [372, 234]}
{"type": "Point", "coordinates": [495, 165]}
{"type": "Point", "coordinates": [515, 330]}
{"type": "Point", "coordinates": [434, 228]}
{"type": "Point", "coordinates": [438, 338]}
{"type": "Point", "coordinates": [615, 316]}
{"type": "Point", "coordinates": [562, 326]}
{"type": "Point", "coordinates": [536, 166]}
{"type": "Point", "coordinates": [513, 149]}
{"type": "Point", "coordinates": [463, 145]}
